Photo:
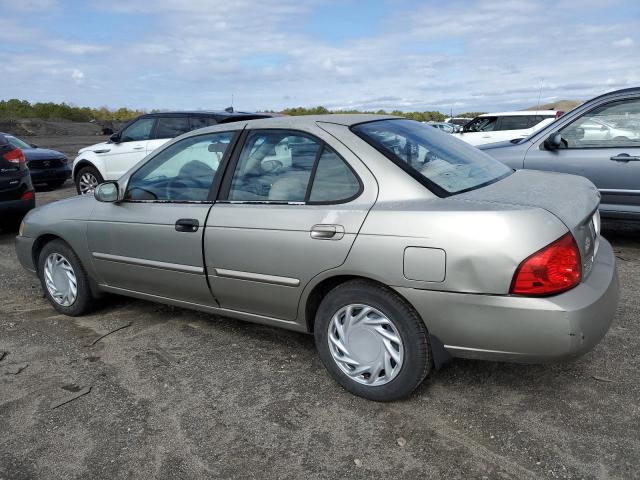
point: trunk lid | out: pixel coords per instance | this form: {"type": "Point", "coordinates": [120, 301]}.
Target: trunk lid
{"type": "Point", "coordinates": [572, 199]}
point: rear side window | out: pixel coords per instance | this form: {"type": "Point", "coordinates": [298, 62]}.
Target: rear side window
{"type": "Point", "coordinates": [285, 166]}
{"type": "Point", "coordinates": [443, 164]}
{"type": "Point", "coordinates": [519, 122]}
{"type": "Point", "coordinates": [170, 127]}
{"type": "Point", "coordinates": [334, 181]}
{"type": "Point", "coordinates": [201, 122]}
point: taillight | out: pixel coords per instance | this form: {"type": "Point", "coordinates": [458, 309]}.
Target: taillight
{"type": "Point", "coordinates": [554, 269]}
{"type": "Point", "coordinates": [28, 195]}
{"type": "Point", "coordinates": [14, 156]}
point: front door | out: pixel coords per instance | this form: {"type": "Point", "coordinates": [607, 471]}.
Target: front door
{"type": "Point", "coordinates": [290, 208]}
{"type": "Point", "coordinates": [151, 242]}
{"type": "Point", "coordinates": [604, 146]}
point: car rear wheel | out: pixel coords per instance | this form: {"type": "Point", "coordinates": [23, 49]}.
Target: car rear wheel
{"type": "Point", "coordinates": [372, 341]}
{"type": "Point", "coordinates": [87, 179]}
{"type": "Point", "coordinates": [64, 279]}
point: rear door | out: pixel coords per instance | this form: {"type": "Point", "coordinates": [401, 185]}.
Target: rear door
{"type": "Point", "coordinates": [603, 145]}
{"type": "Point", "coordinates": [132, 147]}
{"type": "Point", "coordinates": [290, 208]}
{"type": "Point", "coordinates": [151, 242]}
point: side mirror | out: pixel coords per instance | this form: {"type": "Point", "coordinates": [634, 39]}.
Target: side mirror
{"type": "Point", "coordinates": [114, 138]}
{"type": "Point", "coordinates": [107, 131]}
{"type": "Point", "coordinates": [553, 141]}
{"type": "Point", "coordinates": [107, 192]}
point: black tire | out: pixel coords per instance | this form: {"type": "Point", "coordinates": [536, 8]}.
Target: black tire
{"type": "Point", "coordinates": [84, 299]}
{"type": "Point", "coordinates": [417, 362]}
{"type": "Point", "coordinates": [87, 169]}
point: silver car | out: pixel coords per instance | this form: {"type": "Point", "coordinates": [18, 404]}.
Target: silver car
{"type": "Point", "coordinates": [395, 244]}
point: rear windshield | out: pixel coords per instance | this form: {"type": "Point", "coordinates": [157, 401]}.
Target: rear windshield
{"type": "Point", "coordinates": [444, 164]}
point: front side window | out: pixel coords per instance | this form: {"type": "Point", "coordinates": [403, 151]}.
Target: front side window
{"type": "Point", "coordinates": [443, 164]}
{"type": "Point", "coordinates": [615, 124]}
{"type": "Point", "coordinates": [171, 127]}
{"type": "Point", "coordinates": [138, 130]}
{"type": "Point", "coordinates": [183, 172]}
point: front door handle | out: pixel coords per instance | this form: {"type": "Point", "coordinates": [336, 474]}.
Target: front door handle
{"type": "Point", "coordinates": [327, 232]}
{"type": "Point", "coordinates": [187, 225]}
{"type": "Point", "coordinates": [137, 148]}
{"type": "Point", "coordinates": [624, 157]}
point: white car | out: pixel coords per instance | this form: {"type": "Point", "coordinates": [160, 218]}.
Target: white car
{"type": "Point", "coordinates": [110, 160]}
{"type": "Point", "coordinates": [505, 126]}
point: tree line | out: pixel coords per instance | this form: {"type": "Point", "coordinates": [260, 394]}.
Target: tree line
{"type": "Point", "coordinates": [14, 109]}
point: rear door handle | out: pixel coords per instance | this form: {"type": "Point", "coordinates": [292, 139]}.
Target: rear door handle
{"type": "Point", "coordinates": [187, 225]}
{"type": "Point", "coordinates": [137, 148]}
{"type": "Point", "coordinates": [327, 232]}
{"type": "Point", "coordinates": [625, 157]}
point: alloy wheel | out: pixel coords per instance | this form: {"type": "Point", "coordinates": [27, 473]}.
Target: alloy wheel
{"type": "Point", "coordinates": [88, 183]}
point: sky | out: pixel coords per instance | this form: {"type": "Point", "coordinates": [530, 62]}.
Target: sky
{"type": "Point", "coordinates": [452, 55]}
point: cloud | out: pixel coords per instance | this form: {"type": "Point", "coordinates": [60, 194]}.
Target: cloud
{"type": "Point", "coordinates": [419, 55]}
{"type": "Point", "coordinates": [624, 42]}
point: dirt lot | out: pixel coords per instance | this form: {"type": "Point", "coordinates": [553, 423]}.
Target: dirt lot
{"type": "Point", "coordinates": [180, 394]}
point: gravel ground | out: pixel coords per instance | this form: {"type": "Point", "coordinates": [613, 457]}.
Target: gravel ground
{"type": "Point", "coordinates": [180, 394]}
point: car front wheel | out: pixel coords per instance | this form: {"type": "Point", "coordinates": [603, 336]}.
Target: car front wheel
{"type": "Point", "coordinates": [372, 341]}
{"type": "Point", "coordinates": [87, 179]}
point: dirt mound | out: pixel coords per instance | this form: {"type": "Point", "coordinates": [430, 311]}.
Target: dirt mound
{"type": "Point", "coordinates": [563, 105]}
{"type": "Point", "coordinates": [36, 127]}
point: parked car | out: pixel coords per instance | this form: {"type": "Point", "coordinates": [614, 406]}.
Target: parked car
{"type": "Point", "coordinates": [16, 190]}
{"type": "Point", "coordinates": [498, 127]}
{"type": "Point", "coordinates": [445, 127]}
{"type": "Point", "coordinates": [109, 160]}
{"type": "Point", "coordinates": [46, 166]}
{"type": "Point", "coordinates": [599, 140]}
{"type": "Point", "coordinates": [396, 245]}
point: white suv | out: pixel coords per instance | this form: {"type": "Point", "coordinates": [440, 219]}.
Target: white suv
{"type": "Point", "coordinates": [505, 126]}
{"type": "Point", "coordinates": [110, 160]}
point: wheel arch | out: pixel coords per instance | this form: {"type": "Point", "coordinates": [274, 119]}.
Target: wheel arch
{"type": "Point", "coordinates": [312, 301]}
{"type": "Point", "coordinates": [45, 238]}
{"type": "Point", "coordinates": [87, 161]}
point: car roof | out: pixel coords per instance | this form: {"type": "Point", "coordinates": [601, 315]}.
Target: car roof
{"type": "Point", "coordinates": [207, 113]}
{"type": "Point", "coordinates": [519, 113]}
{"type": "Point", "coordinates": [347, 119]}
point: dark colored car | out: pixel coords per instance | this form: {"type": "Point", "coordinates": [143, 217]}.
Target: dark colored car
{"type": "Point", "coordinates": [599, 140]}
{"type": "Point", "coordinates": [141, 136]}
{"type": "Point", "coordinates": [16, 190]}
{"type": "Point", "coordinates": [46, 166]}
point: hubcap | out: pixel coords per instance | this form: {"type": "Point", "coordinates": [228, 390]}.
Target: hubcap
{"type": "Point", "coordinates": [365, 344]}
{"type": "Point", "coordinates": [60, 280]}
{"type": "Point", "coordinates": [88, 183]}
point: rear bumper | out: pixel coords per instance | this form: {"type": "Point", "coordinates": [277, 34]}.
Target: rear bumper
{"type": "Point", "coordinates": [524, 329]}
{"type": "Point", "coordinates": [16, 208]}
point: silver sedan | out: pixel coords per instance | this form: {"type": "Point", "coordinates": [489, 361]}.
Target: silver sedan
{"type": "Point", "coordinates": [394, 244]}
